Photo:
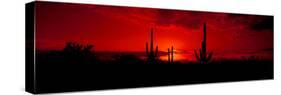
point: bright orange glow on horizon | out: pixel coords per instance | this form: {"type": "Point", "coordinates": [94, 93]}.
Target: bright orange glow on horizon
{"type": "Point", "coordinates": [177, 57]}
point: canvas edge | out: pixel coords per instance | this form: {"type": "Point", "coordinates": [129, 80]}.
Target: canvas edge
{"type": "Point", "coordinates": [30, 83]}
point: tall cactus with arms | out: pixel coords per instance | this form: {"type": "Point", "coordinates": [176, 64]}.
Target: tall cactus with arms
{"type": "Point", "coordinates": [203, 56]}
{"type": "Point", "coordinates": [151, 54]}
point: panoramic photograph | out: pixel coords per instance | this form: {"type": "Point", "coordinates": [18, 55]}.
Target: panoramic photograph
{"type": "Point", "coordinates": [94, 47]}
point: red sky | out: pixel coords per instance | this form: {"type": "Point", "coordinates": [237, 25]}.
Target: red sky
{"type": "Point", "coordinates": [111, 28]}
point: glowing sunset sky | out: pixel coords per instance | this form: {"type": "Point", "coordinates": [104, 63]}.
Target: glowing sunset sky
{"type": "Point", "coordinates": [111, 28]}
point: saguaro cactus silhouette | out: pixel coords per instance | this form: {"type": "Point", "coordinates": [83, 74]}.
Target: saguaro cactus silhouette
{"type": "Point", "coordinates": [171, 55]}
{"type": "Point", "coordinates": [203, 56]}
{"type": "Point", "coordinates": [151, 54]}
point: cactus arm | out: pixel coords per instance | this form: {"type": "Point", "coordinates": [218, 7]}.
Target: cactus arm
{"type": "Point", "coordinates": [146, 48]}
{"type": "Point", "coordinates": [172, 54]}
{"type": "Point", "coordinates": [201, 56]}
{"type": "Point", "coordinates": [196, 55]}
{"type": "Point", "coordinates": [168, 55]}
{"type": "Point", "coordinates": [209, 57]}
{"type": "Point", "coordinates": [151, 41]}
{"type": "Point", "coordinates": [156, 52]}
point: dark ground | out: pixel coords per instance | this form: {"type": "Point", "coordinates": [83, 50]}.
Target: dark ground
{"type": "Point", "coordinates": [59, 76]}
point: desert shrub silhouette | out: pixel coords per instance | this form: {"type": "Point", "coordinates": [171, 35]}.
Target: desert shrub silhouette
{"type": "Point", "coordinates": [78, 53]}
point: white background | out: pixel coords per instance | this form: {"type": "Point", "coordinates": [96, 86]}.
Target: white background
{"type": "Point", "coordinates": [12, 30]}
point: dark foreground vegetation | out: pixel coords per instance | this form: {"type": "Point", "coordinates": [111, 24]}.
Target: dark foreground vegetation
{"type": "Point", "coordinates": [57, 73]}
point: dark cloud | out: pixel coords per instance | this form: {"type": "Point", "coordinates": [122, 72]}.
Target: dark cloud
{"type": "Point", "coordinates": [267, 49]}
{"type": "Point", "coordinates": [241, 19]}
{"type": "Point", "coordinates": [187, 19]}
{"type": "Point", "coordinates": [264, 23]}
{"type": "Point", "coordinates": [255, 23]}
{"type": "Point", "coordinates": [195, 19]}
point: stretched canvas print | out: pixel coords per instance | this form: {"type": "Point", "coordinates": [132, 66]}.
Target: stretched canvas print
{"type": "Point", "coordinates": [78, 47]}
